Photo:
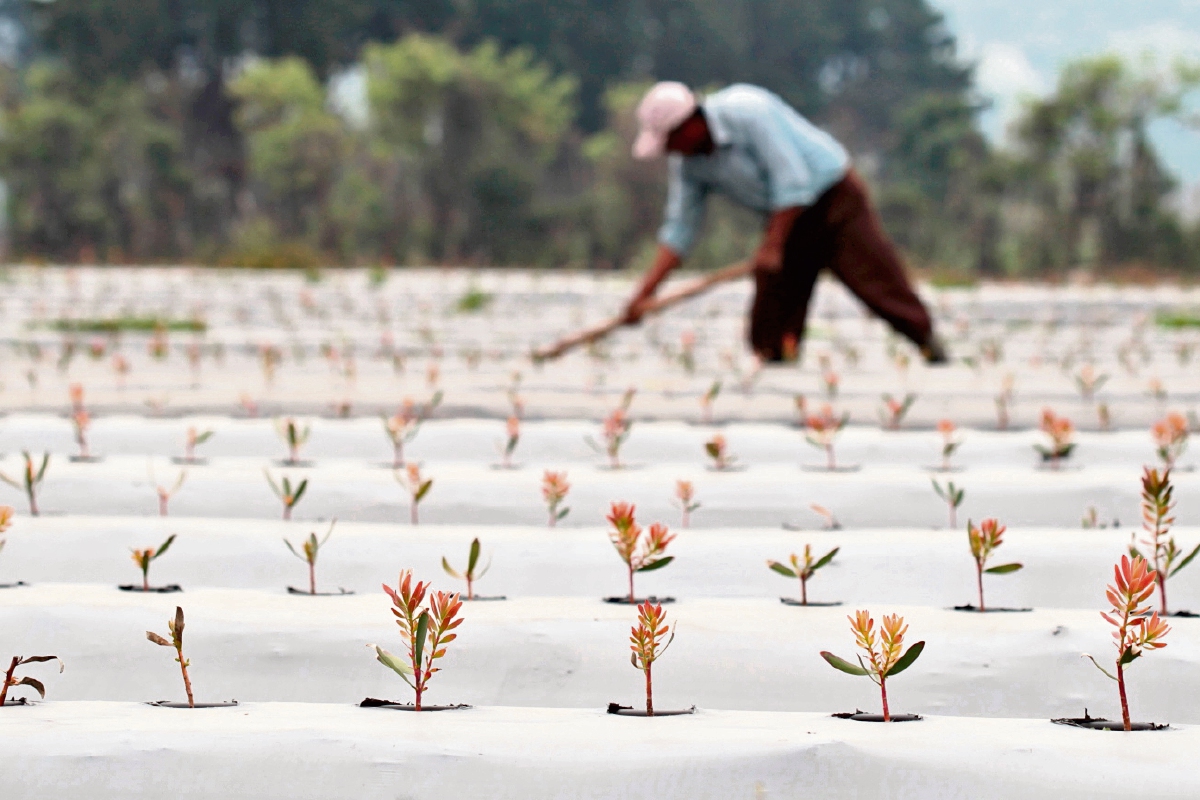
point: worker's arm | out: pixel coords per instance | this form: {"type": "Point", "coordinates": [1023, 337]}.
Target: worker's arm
{"type": "Point", "coordinates": [665, 260]}
{"type": "Point", "coordinates": [769, 257]}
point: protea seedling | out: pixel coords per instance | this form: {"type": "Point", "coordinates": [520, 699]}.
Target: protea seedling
{"type": "Point", "coordinates": [1089, 382]}
{"type": "Point", "coordinates": [953, 497]}
{"type": "Point", "coordinates": [707, 400]}
{"type": "Point", "coordinates": [554, 491]}
{"type": "Point", "coordinates": [646, 642]}
{"type": "Point", "coordinates": [143, 559]}
{"type": "Point", "coordinates": [175, 629]}
{"type": "Point", "coordinates": [614, 433]}
{"type": "Point", "coordinates": [1158, 547]}
{"type": "Point", "coordinates": [11, 680]}
{"type": "Point", "coordinates": [81, 421]}
{"type": "Point", "coordinates": [288, 494]}
{"type": "Point", "coordinates": [984, 540]}
{"type": "Point", "coordinates": [310, 548]}
{"type": "Point", "coordinates": [951, 441]}
{"type": "Point", "coordinates": [718, 451]}
{"type": "Point", "coordinates": [194, 439]}
{"type": "Point", "coordinates": [403, 426]}
{"type": "Point", "coordinates": [1170, 438]}
{"type": "Point", "coordinates": [425, 628]}
{"type": "Point", "coordinates": [885, 657]}
{"type": "Point", "coordinates": [294, 435]}
{"type": "Point", "coordinates": [165, 493]}
{"type": "Point", "coordinates": [803, 568]}
{"type": "Point", "coordinates": [1133, 583]}
{"type": "Point", "coordinates": [416, 486]}
{"type": "Point", "coordinates": [823, 430]}
{"type": "Point", "coordinates": [685, 497]}
{"type": "Point", "coordinates": [471, 573]}
{"type": "Point", "coordinates": [640, 554]}
{"type": "Point", "coordinates": [30, 479]}
{"type": "Point", "coordinates": [1061, 433]}
{"type": "Point", "coordinates": [831, 381]}
{"type": "Point", "coordinates": [512, 431]}
{"type": "Point", "coordinates": [893, 411]}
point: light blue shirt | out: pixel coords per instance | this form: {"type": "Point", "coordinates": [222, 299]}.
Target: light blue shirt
{"type": "Point", "coordinates": [766, 157]}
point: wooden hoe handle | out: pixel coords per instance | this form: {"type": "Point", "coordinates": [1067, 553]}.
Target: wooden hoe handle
{"type": "Point", "coordinates": [724, 275]}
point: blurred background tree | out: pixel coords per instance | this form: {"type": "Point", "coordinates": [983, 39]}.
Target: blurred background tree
{"type": "Point", "coordinates": [298, 132]}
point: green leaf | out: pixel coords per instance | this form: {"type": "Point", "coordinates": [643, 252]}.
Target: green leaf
{"type": "Point", "coordinates": [201, 438]}
{"type": "Point", "coordinates": [906, 660]}
{"type": "Point", "coordinates": [825, 559]}
{"type": "Point", "coordinates": [300, 491]}
{"type": "Point", "coordinates": [154, 637]}
{"type": "Point", "coordinates": [842, 664]}
{"type": "Point", "coordinates": [273, 484]}
{"type": "Point", "coordinates": [1129, 656]}
{"type": "Point", "coordinates": [658, 563]}
{"type": "Point", "coordinates": [1187, 560]}
{"type": "Point", "coordinates": [297, 555]}
{"type": "Point", "coordinates": [422, 634]}
{"type": "Point", "coordinates": [473, 558]}
{"type": "Point", "coordinates": [42, 472]}
{"type": "Point", "coordinates": [41, 659]}
{"type": "Point", "coordinates": [781, 569]}
{"type": "Point", "coordinates": [423, 490]}
{"type": "Point", "coordinates": [563, 513]}
{"type": "Point", "coordinates": [391, 662]}
{"type": "Point", "coordinates": [1102, 669]}
{"type": "Point", "coordinates": [1003, 569]}
{"type": "Point", "coordinates": [162, 548]}
{"type": "Point", "coordinates": [35, 683]}
{"type": "Point", "coordinates": [450, 570]}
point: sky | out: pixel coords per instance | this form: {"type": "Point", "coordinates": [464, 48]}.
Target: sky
{"type": "Point", "coordinates": [1019, 46]}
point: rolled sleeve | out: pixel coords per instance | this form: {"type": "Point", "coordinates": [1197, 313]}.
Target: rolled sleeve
{"type": "Point", "coordinates": [685, 209]}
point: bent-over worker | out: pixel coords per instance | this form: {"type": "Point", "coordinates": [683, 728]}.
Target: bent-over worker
{"type": "Point", "coordinates": [751, 146]}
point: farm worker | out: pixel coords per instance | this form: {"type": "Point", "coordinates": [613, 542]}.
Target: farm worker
{"type": "Point", "coordinates": [751, 146]}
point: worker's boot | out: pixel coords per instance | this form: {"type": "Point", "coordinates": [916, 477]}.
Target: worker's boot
{"type": "Point", "coordinates": [934, 352]}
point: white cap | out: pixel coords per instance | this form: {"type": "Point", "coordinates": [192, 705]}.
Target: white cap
{"type": "Point", "coordinates": [663, 109]}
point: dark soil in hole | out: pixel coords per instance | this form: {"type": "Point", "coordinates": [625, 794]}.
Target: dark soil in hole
{"type": "Point", "coordinates": [1102, 724]}
{"type": "Point", "coordinates": [482, 599]}
{"type": "Point", "coordinates": [943, 469]}
{"type": "Point", "coordinates": [730, 468]}
{"type": "Point", "coordinates": [975, 609]}
{"type": "Point", "coordinates": [299, 462]}
{"type": "Point", "coordinates": [133, 587]}
{"type": "Point", "coordinates": [173, 704]}
{"type": "Point", "coordinates": [189, 462]}
{"type": "Point", "coordinates": [630, 711]}
{"type": "Point", "coordinates": [16, 585]}
{"type": "Point", "coordinates": [825, 468]}
{"type": "Point", "coordinates": [372, 702]}
{"type": "Point", "coordinates": [86, 459]}
{"type": "Point", "coordinates": [340, 592]}
{"type": "Point", "coordinates": [625, 601]}
{"type": "Point", "coordinates": [507, 467]}
{"type": "Point", "coordinates": [622, 468]}
{"type": "Point", "coordinates": [17, 701]}
{"type": "Point", "coordinates": [789, 601]}
{"type": "Point", "coordinates": [862, 716]}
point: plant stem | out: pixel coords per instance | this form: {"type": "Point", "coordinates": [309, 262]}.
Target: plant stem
{"type": "Point", "coordinates": [287, 512]}
{"type": "Point", "coordinates": [187, 682]}
{"type": "Point", "coordinates": [979, 582]}
{"type": "Point", "coordinates": [1121, 689]}
{"type": "Point", "coordinates": [803, 589]}
{"type": "Point", "coordinates": [146, 578]}
{"type": "Point", "coordinates": [649, 694]}
{"type": "Point", "coordinates": [33, 506]}
{"type": "Point", "coordinates": [887, 717]}
{"type": "Point", "coordinates": [1162, 590]}
{"type": "Point", "coordinates": [312, 577]}
{"type": "Point", "coordinates": [953, 514]}
{"type": "Point", "coordinates": [686, 517]}
{"type": "Point", "coordinates": [631, 598]}
{"type": "Point", "coordinates": [162, 506]}
{"type": "Point", "coordinates": [398, 455]}
{"type": "Point", "coordinates": [829, 455]}
{"type": "Point", "coordinates": [8, 679]}
{"type": "Point", "coordinates": [412, 514]}
{"type": "Point", "coordinates": [470, 589]}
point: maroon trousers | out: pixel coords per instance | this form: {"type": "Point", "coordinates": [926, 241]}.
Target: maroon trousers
{"type": "Point", "coordinates": [841, 232]}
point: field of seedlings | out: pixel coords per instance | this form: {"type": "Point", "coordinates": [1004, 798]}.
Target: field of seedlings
{"type": "Point", "coordinates": [385, 553]}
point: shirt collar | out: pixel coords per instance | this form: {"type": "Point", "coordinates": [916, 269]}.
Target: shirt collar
{"type": "Point", "coordinates": [716, 125]}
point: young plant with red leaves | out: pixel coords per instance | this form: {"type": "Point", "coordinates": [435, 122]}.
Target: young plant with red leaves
{"type": "Point", "coordinates": [75, 392]}
{"type": "Point", "coordinates": [984, 540]}
{"type": "Point", "coordinates": [175, 628]}
{"type": "Point", "coordinates": [294, 436]}
{"type": "Point", "coordinates": [951, 441]}
{"type": "Point", "coordinates": [11, 680]}
{"type": "Point", "coordinates": [1061, 433]}
{"type": "Point", "coordinates": [1004, 401]}
{"type": "Point", "coordinates": [30, 479]}
{"type": "Point", "coordinates": [166, 493]}
{"type": "Point", "coordinates": [288, 495]}
{"type": "Point", "coordinates": [1158, 547]}
{"type": "Point", "coordinates": [512, 431]}
{"type": "Point", "coordinates": [685, 497]}
{"type": "Point", "coordinates": [1133, 583]}
{"type": "Point", "coordinates": [425, 629]}
{"type": "Point", "coordinates": [614, 433]}
{"type": "Point", "coordinates": [640, 553]}
{"type": "Point", "coordinates": [81, 421]}
{"type": "Point", "coordinates": [822, 431]}
{"type": "Point", "coordinates": [554, 491]}
{"type": "Point", "coordinates": [143, 559]}
{"type": "Point", "coordinates": [416, 486]}
{"type": "Point", "coordinates": [1170, 438]}
{"type": "Point", "coordinates": [885, 658]}
{"type": "Point", "coordinates": [803, 568]}
{"type": "Point", "coordinates": [953, 497]}
{"type": "Point", "coordinates": [646, 642]}
{"type": "Point", "coordinates": [469, 574]}
{"type": "Point", "coordinates": [893, 411]}
{"type": "Point", "coordinates": [1088, 382]}
{"type": "Point", "coordinates": [718, 451]}
{"type": "Point", "coordinates": [309, 550]}
{"type": "Point", "coordinates": [707, 400]}
{"type": "Point", "coordinates": [404, 425]}
{"type": "Point", "coordinates": [831, 381]}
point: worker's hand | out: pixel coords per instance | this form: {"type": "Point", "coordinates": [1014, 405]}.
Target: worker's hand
{"type": "Point", "coordinates": [768, 259]}
{"type": "Point", "coordinates": [636, 309]}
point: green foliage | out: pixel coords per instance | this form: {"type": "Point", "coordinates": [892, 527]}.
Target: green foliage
{"type": "Point", "coordinates": [119, 324]}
